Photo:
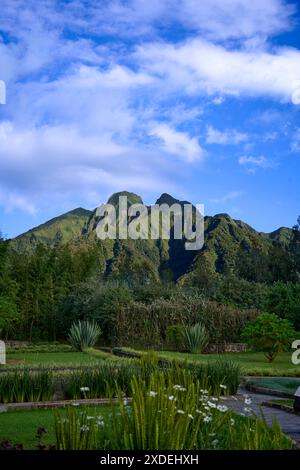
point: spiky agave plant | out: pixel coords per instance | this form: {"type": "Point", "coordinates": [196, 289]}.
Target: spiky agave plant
{"type": "Point", "coordinates": [84, 334]}
{"type": "Point", "coordinates": [195, 338]}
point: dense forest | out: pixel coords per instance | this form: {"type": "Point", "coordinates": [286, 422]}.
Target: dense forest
{"type": "Point", "coordinates": [46, 283]}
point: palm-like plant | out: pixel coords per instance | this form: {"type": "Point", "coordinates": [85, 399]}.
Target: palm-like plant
{"type": "Point", "coordinates": [195, 338]}
{"type": "Point", "coordinates": [84, 334]}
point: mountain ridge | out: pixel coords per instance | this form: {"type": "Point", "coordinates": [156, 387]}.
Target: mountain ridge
{"type": "Point", "coordinates": [225, 240]}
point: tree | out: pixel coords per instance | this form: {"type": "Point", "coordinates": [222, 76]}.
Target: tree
{"type": "Point", "coordinates": [9, 317]}
{"type": "Point", "coordinates": [295, 247]}
{"type": "Point", "coordinates": [270, 334]}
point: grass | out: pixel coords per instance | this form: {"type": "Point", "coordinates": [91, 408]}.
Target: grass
{"type": "Point", "coordinates": [53, 359]}
{"type": "Point", "coordinates": [251, 363]}
{"type": "Point", "coordinates": [278, 401]}
{"type": "Point", "coordinates": [21, 426]}
{"type": "Point", "coordinates": [280, 384]}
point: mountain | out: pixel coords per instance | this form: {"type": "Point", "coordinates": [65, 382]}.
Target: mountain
{"type": "Point", "coordinates": [57, 231]}
{"type": "Point", "coordinates": [229, 244]}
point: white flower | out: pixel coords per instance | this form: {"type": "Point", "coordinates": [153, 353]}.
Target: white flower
{"type": "Point", "coordinates": [171, 397]}
{"type": "Point", "coordinates": [75, 404]}
{"type": "Point", "coordinates": [180, 412]}
{"type": "Point", "coordinates": [223, 386]}
{"type": "Point", "coordinates": [191, 416]}
{"type": "Point", "coordinates": [177, 387]}
{"type": "Point", "coordinates": [214, 399]}
{"type": "Point", "coordinates": [247, 410]}
{"type": "Point", "coordinates": [125, 402]}
{"type": "Point", "coordinates": [211, 405]}
{"type": "Point", "coordinates": [84, 428]}
{"type": "Point", "coordinates": [248, 401]}
{"type": "Point", "coordinates": [207, 419]}
{"type": "Point", "coordinates": [89, 418]}
{"type": "Point", "coordinates": [222, 408]}
{"type": "Point", "coordinates": [215, 442]}
{"type": "Point", "coordinates": [100, 421]}
{"type": "Point", "coordinates": [84, 389]}
{"type": "Point", "coordinates": [206, 408]}
{"type": "Point", "coordinates": [152, 394]}
{"type": "Point", "coordinates": [199, 412]}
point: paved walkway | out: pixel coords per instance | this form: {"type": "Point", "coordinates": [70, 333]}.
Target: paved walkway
{"type": "Point", "coordinates": [289, 422]}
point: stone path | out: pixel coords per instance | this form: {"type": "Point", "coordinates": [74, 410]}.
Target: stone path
{"type": "Point", "coordinates": [289, 422]}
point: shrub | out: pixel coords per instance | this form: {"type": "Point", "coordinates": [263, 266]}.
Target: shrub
{"type": "Point", "coordinates": [145, 325]}
{"type": "Point", "coordinates": [84, 334]}
{"type": "Point", "coordinates": [175, 337]}
{"type": "Point", "coordinates": [195, 338]}
{"type": "Point", "coordinates": [270, 334]}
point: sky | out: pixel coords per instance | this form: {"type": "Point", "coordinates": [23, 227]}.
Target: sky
{"type": "Point", "coordinates": [197, 99]}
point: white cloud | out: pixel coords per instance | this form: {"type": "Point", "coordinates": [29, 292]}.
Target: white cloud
{"type": "Point", "coordinates": [61, 160]}
{"type": "Point", "coordinates": [200, 66]}
{"type": "Point", "coordinates": [252, 162]}
{"type": "Point", "coordinates": [217, 19]}
{"type": "Point", "coordinates": [177, 143]}
{"type": "Point", "coordinates": [227, 137]}
{"type": "Point", "coordinates": [13, 200]}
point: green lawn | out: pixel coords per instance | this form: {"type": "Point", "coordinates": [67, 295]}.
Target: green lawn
{"type": "Point", "coordinates": [52, 359]}
{"type": "Point", "coordinates": [280, 384]}
{"type": "Point", "coordinates": [20, 426]}
{"type": "Point", "coordinates": [252, 363]}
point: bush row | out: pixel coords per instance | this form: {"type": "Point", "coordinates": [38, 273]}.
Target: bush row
{"type": "Point", "coordinates": [146, 325]}
{"type": "Point", "coordinates": [24, 386]}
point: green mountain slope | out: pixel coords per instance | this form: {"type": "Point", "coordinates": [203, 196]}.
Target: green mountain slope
{"type": "Point", "coordinates": [226, 242]}
{"type": "Point", "coordinates": [57, 231]}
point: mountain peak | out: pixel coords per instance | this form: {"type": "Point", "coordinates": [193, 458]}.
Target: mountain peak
{"type": "Point", "coordinates": [132, 198]}
{"type": "Point", "coordinates": [166, 198]}
{"type": "Point", "coordinates": [222, 215]}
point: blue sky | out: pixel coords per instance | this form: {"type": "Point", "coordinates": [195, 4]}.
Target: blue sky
{"type": "Point", "coordinates": [198, 99]}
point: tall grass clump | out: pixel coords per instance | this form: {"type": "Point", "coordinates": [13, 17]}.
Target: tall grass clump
{"type": "Point", "coordinates": [100, 382]}
{"type": "Point", "coordinates": [111, 375]}
{"type": "Point", "coordinates": [78, 430]}
{"type": "Point", "coordinates": [195, 338]}
{"type": "Point", "coordinates": [25, 386]}
{"type": "Point", "coordinates": [84, 334]}
{"type": "Point", "coordinates": [164, 415]}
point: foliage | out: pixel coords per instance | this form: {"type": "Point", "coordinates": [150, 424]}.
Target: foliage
{"type": "Point", "coordinates": [284, 300]}
{"type": "Point", "coordinates": [25, 386]}
{"type": "Point", "coordinates": [9, 317]}
{"type": "Point", "coordinates": [195, 338]}
{"type": "Point", "coordinates": [111, 375]}
{"type": "Point", "coordinates": [175, 337]}
{"type": "Point", "coordinates": [84, 334]}
{"type": "Point", "coordinates": [270, 334]}
{"type": "Point", "coordinates": [164, 415]}
{"type": "Point", "coordinates": [145, 325]}
{"type": "Point", "coordinates": [76, 431]}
